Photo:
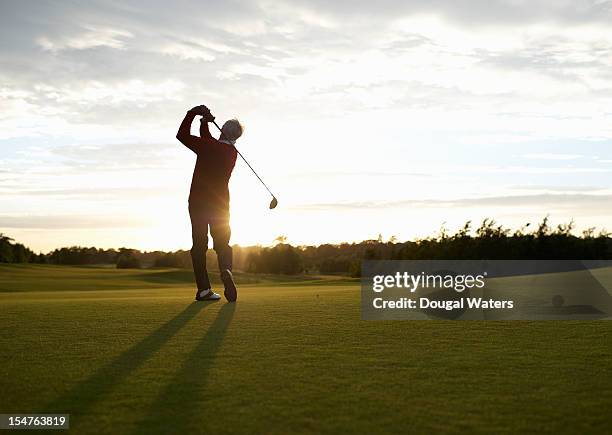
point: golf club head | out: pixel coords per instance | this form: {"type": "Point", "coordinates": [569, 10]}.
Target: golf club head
{"type": "Point", "coordinates": [273, 203]}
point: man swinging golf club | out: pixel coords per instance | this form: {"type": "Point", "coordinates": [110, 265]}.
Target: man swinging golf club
{"type": "Point", "coordinates": [209, 198]}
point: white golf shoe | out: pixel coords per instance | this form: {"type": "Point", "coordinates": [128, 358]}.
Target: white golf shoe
{"type": "Point", "coordinates": [207, 295]}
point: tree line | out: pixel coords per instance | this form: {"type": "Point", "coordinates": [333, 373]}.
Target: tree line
{"type": "Point", "coordinates": [489, 240]}
{"type": "Point", "coordinates": [16, 252]}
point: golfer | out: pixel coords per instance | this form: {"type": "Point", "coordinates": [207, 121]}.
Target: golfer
{"type": "Point", "coordinates": [209, 198]}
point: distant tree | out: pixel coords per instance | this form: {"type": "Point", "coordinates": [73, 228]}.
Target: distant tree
{"type": "Point", "coordinates": [21, 254]}
{"type": "Point", "coordinates": [335, 265]}
{"type": "Point", "coordinates": [13, 252]}
{"type": "Point", "coordinates": [82, 255]}
{"type": "Point", "coordinates": [355, 269]}
{"type": "Point", "coordinates": [179, 259]}
{"type": "Point", "coordinates": [280, 239]}
{"type": "Point", "coordinates": [282, 259]}
{"type": "Point", "coordinates": [6, 249]}
{"type": "Point", "coordinates": [127, 259]}
{"type": "Point", "coordinates": [39, 258]}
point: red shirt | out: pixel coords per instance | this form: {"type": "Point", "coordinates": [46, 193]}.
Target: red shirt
{"type": "Point", "coordinates": [213, 168]}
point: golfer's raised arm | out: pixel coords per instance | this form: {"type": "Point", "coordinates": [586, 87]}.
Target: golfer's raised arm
{"type": "Point", "coordinates": [204, 131]}
{"type": "Point", "coordinates": [184, 132]}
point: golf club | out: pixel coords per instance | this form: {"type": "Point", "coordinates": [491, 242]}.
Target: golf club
{"type": "Point", "coordinates": [274, 201]}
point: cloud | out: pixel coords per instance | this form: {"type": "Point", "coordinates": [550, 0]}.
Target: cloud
{"type": "Point", "coordinates": [552, 156]}
{"type": "Point", "coordinates": [437, 91]}
{"type": "Point", "coordinates": [362, 174]}
{"type": "Point", "coordinates": [90, 193]}
{"type": "Point", "coordinates": [408, 42]}
{"type": "Point", "coordinates": [566, 201]}
{"type": "Point", "coordinates": [469, 12]}
{"type": "Point", "coordinates": [90, 37]}
{"type": "Point", "coordinates": [118, 57]}
{"type": "Point", "coordinates": [575, 55]}
{"type": "Point", "coordinates": [186, 51]}
{"type": "Point", "coordinates": [82, 93]}
{"type": "Point", "coordinates": [69, 222]}
{"type": "Point", "coordinates": [561, 188]}
{"type": "Point", "coordinates": [534, 170]}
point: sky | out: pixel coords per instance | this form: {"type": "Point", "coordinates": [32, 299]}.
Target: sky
{"type": "Point", "coordinates": [394, 117]}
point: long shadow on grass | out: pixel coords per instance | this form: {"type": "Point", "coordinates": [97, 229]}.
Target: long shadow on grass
{"type": "Point", "coordinates": [180, 403]}
{"type": "Point", "coordinates": [92, 390]}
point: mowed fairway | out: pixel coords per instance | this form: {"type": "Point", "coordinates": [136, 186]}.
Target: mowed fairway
{"type": "Point", "coordinates": [127, 352]}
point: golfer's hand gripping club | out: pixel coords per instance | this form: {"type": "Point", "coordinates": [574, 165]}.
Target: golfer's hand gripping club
{"type": "Point", "coordinates": [204, 112]}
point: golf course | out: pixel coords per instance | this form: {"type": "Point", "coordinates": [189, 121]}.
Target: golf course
{"type": "Point", "coordinates": [128, 351]}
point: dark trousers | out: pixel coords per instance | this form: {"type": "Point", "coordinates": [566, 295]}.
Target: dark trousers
{"type": "Point", "coordinates": [202, 218]}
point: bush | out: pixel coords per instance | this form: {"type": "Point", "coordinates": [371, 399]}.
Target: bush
{"type": "Point", "coordinates": [180, 259]}
{"type": "Point", "coordinates": [128, 260]}
{"type": "Point", "coordinates": [282, 258]}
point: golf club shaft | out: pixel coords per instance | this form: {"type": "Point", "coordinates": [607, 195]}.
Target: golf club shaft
{"type": "Point", "coordinates": [245, 161]}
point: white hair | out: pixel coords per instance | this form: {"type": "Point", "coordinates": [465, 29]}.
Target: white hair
{"type": "Point", "coordinates": [232, 130]}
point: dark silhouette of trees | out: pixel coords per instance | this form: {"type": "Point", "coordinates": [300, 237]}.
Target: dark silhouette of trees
{"type": "Point", "coordinates": [181, 259]}
{"type": "Point", "coordinates": [77, 255]}
{"type": "Point", "coordinates": [282, 258]}
{"type": "Point", "coordinates": [493, 242]}
{"type": "Point", "coordinates": [15, 252]}
{"type": "Point", "coordinates": [489, 240]}
{"type": "Point", "coordinates": [128, 259]}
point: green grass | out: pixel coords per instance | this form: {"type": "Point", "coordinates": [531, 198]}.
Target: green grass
{"type": "Point", "coordinates": [38, 277]}
{"type": "Point", "coordinates": [128, 352]}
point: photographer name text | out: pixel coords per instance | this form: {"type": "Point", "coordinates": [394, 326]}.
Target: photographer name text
{"type": "Point", "coordinates": [453, 283]}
